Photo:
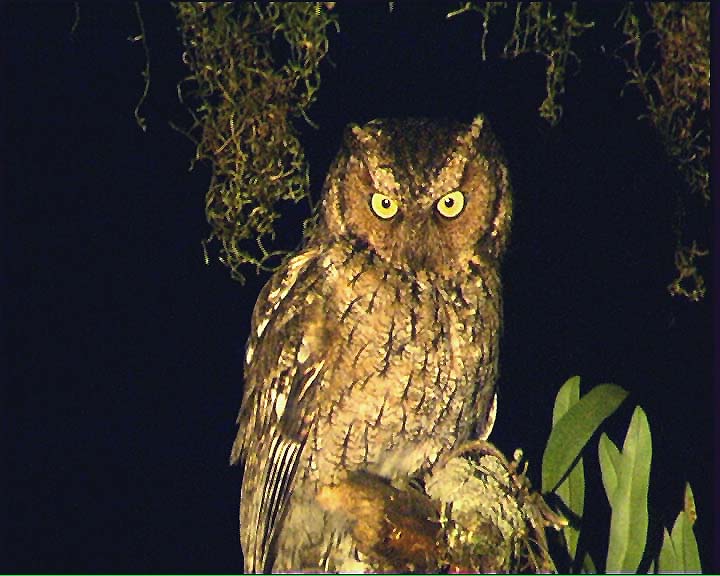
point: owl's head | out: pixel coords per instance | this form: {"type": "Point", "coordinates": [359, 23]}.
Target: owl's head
{"type": "Point", "coordinates": [420, 194]}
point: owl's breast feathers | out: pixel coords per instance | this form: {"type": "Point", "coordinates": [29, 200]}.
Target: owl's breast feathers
{"type": "Point", "coordinates": [355, 364]}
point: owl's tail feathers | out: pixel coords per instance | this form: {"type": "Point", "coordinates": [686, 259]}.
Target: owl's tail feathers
{"type": "Point", "coordinates": [268, 480]}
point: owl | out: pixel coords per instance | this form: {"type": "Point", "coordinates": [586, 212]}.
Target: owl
{"type": "Point", "coordinates": [374, 348]}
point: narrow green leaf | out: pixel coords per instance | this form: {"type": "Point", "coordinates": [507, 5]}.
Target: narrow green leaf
{"type": "Point", "coordinates": [689, 504]}
{"type": "Point", "coordinates": [572, 490]}
{"type": "Point", "coordinates": [677, 539]}
{"type": "Point", "coordinates": [629, 520]}
{"type": "Point", "coordinates": [609, 463]}
{"type": "Point", "coordinates": [685, 545]}
{"type": "Point", "coordinates": [574, 429]}
{"type": "Point", "coordinates": [572, 493]}
{"type": "Point", "coordinates": [588, 566]}
{"type": "Point", "coordinates": [567, 396]}
{"type": "Point", "coordinates": [668, 560]}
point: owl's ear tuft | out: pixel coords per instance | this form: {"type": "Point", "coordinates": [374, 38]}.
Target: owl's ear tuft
{"type": "Point", "coordinates": [477, 124]}
{"type": "Point", "coordinates": [473, 132]}
{"type": "Point", "coordinates": [358, 133]}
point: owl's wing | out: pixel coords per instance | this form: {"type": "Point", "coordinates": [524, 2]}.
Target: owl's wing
{"type": "Point", "coordinates": [277, 408]}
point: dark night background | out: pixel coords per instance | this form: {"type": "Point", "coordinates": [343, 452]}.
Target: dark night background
{"type": "Point", "coordinates": [121, 360]}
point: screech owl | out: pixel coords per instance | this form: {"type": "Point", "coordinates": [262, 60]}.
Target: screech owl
{"type": "Point", "coordinates": [375, 348]}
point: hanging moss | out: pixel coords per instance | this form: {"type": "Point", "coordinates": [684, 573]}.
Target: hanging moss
{"type": "Point", "coordinates": [667, 55]}
{"type": "Point", "coordinates": [676, 89]}
{"type": "Point", "coordinates": [254, 68]}
{"type": "Point", "coordinates": [539, 28]}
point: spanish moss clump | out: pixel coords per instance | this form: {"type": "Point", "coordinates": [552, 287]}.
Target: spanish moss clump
{"type": "Point", "coordinates": [254, 67]}
{"type": "Point", "coordinates": [543, 29]}
{"type": "Point", "coordinates": [676, 90]}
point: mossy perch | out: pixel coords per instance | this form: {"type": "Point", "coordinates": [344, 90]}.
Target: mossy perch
{"type": "Point", "coordinates": [477, 513]}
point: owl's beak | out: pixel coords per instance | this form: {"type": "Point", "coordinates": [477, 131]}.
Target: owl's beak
{"type": "Point", "coordinates": [416, 259]}
{"type": "Point", "coordinates": [417, 252]}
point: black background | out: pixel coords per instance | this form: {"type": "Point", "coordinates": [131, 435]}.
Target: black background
{"type": "Point", "coordinates": [121, 369]}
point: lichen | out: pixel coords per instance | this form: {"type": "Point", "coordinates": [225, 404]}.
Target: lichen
{"type": "Point", "coordinates": [492, 519]}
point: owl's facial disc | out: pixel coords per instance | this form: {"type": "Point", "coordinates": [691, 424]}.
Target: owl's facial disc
{"type": "Point", "coordinates": [421, 195]}
{"type": "Point", "coordinates": [421, 225]}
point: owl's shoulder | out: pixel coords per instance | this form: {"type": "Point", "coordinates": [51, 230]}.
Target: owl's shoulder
{"type": "Point", "coordinates": [283, 285]}
{"type": "Point", "coordinates": [277, 358]}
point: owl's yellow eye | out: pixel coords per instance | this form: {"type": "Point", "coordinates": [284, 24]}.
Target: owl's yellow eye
{"type": "Point", "coordinates": [451, 204]}
{"type": "Point", "coordinates": [383, 206]}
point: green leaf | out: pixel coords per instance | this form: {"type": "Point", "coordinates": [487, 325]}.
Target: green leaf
{"type": "Point", "coordinates": [689, 504]}
{"type": "Point", "coordinates": [574, 429]}
{"type": "Point", "coordinates": [609, 463]}
{"type": "Point", "coordinates": [572, 490]}
{"type": "Point", "coordinates": [588, 566]}
{"type": "Point", "coordinates": [668, 560]}
{"type": "Point", "coordinates": [629, 520]}
{"type": "Point", "coordinates": [567, 396]}
{"type": "Point", "coordinates": [685, 545]}
{"type": "Point", "coordinates": [679, 552]}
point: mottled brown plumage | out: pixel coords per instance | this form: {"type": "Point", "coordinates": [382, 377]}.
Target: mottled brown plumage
{"type": "Point", "coordinates": [376, 347]}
